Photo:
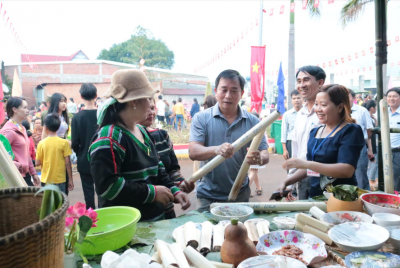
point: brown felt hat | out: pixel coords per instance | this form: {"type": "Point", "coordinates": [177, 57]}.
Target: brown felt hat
{"type": "Point", "coordinates": [130, 84]}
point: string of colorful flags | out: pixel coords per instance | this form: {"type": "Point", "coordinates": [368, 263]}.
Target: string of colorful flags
{"type": "Point", "coordinates": [17, 40]}
{"type": "Point", "coordinates": [293, 6]}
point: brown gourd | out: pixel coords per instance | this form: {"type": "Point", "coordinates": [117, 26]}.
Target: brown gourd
{"type": "Point", "coordinates": [237, 246]}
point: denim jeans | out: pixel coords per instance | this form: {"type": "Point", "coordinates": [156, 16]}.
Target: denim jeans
{"type": "Point", "coordinates": [373, 169]}
{"type": "Point", "coordinates": [179, 117]}
{"type": "Point", "coordinates": [361, 171]}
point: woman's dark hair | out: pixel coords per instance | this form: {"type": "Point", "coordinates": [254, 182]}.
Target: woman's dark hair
{"type": "Point", "coordinates": [54, 101]}
{"type": "Point", "coordinates": [210, 101]}
{"type": "Point", "coordinates": [88, 91]}
{"type": "Point", "coordinates": [370, 104]}
{"type": "Point", "coordinates": [339, 94]}
{"type": "Point", "coordinates": [112, 116]}
{"type": "Point", "coordinates": [315, 71]}
{"type": "Point", "coordinates": [231, 74]}
{"type": "Point", "coordinates": [13, 102]}
{"type": "Point", "coordinates": [195, 100]}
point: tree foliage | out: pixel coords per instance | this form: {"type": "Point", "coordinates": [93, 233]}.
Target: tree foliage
{"type": "Point", "coordinates": [141, 45]}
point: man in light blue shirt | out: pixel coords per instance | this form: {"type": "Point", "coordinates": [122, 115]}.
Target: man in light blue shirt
{"type": "Point", "coordinates": [288, 122]}
{"type": "Point", "coordinates": [393, 99]}
{"type": "Point", "coordinates": [363, 119]}
{"type": "Point", "coordinates": [212, 133]}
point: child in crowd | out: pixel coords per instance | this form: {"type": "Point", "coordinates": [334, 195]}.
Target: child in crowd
{"type": "Point", "coordinates": [53, 155]}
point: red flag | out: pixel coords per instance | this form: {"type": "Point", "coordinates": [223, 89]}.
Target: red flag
{"type": "Point", "coordinates": [363, 52]}
{"type": "Point", "coordinates": [371, 49]}
{"type": "Point", "coordinates": [282, 9]}
{"type": "Point", "coordinates": [292, 6]}
{"type": "Point", "coordinates": [316, 3]}
{"type": "Point", "coordinates": [7, 20]}
{"type": "Point", "coordinates": [323, 65]}
{"type": "Point", "coordinates": [257, 75]}
{"type": "Point", "coordinates": [342, 60]}
{"type": "Point", "coordinates": [330, 63]}
{"type": "Point", "coordinates": [5, 11]}
{"type": "Point", "coordinates": [364, 69]}
{"type": "Point", "coordinates": [330, 1]}
{"type": "Point", "coordinates": [264, 11]}
{"type": "Point", "coordinates": [349, 57]}
{"type": "Point", "coordinates": [370, 68]}
{"type": "Point", "coordinates": [396, 39]}
{"type": "Point", "coordinates": [336, 61]}
{"type": "Point", "coordinates": [271, 11]}
{"type": "Point", "coordinates": [356, 55]}
{"type": "Point", "coordinates": [304, 4]}
{"type": "Point", "coordinates": [2, 115]}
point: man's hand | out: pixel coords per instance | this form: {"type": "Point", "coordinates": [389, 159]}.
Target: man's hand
{"type": "Point", "coordinates": [295, 163]}
{"type": "Point", "coordinates": [182, 199]}
{"type": "Point", "coordinates": [254, 158]}
{"type": "Point", "coordinates": [370, 154]}
{"type": "Point", "coordinates": [225, 150]}
{"type": "Point", "coordinates": [185, 186]}
{"type": "Point", "coordinates": [290, 197]}
{"type": "Point", "coordinates": [164, 195]}
{"type": "Point", "coordinates": [36, 180]}
{"type": "Point", "coordinates": [70, 185]}
{"type": "Point", "coordinates": [286, 154]}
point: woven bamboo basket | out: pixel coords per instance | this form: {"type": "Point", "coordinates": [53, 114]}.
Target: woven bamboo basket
{"type": "Point", "coordinates": [24, 240]}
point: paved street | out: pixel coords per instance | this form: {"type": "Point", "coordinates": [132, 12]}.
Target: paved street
{"type": "Point", "coordinates": [269, 180]}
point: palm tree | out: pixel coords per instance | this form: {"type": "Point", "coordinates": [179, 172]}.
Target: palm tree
{"type": "Point", "coordinates": [291, 58]}
{"type": "Point", "coordinates": [351, 10]}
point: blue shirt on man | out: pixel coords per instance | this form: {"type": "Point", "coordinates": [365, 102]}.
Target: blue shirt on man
{"type": "Point", "coordinates": [210, 128]}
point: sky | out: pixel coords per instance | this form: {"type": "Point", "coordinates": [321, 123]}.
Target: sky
{"type": "Point", "coordinates": [197, 30]}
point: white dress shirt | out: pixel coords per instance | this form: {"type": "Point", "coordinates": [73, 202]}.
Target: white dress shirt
{"type": "Point", "coordinates": [394, 121]}
{"type": "Point", "coordinates": [160, 108]}
{"type": "Point", "coordinates": [288, 122]}
{"type": "Point", "coordinates": [363, 118]}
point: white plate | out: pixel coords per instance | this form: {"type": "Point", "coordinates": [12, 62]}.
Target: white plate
{"type": "Point", "coordinates": [266, 261]}
{"type": "Point", "coordinates": [339, 217]}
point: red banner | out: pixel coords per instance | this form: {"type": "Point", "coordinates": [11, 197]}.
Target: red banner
{"type": "Point", "coordinates": [257, 75]}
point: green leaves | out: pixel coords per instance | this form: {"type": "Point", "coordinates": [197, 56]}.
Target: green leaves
{"type": "Point", "coordinates": [84, 225]}
{"type": "Point", "coordinates": [345, 192]}
{"type": "Point", "coordinates": [52, 200]}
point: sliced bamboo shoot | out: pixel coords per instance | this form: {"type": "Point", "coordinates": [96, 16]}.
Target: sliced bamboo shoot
{"type": "Point", "coordinates": [156, 258]}
{"type": "Point", "coordinates": [206, 236]}
{"type": "Point", "coordinates": [251, 231]}
{"type": "Point", "coordinates": [221, 264]}
{"type": "Point", "coordinates": [316, 212]}
{"type": "Point", "coordinates": [323, 236]}
{"type": "Point", "coordinates": [218, 238]}
{"type": "Point", "coordinates": [310, 221]}
{"type": "Point", "coordinates": [179, 256]}
{"type": "Point", "coordinates": [191, 234]}
{"type": "Point", "coordinates": [299, 226]}
{"type": "Point", "coordinates": [165, 254]}
{"type": "Point", "coordinates": [197, 259]}
{"type": "Point", "coordinates": [180, 237]}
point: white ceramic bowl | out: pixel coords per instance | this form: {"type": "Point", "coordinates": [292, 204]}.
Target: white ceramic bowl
{"type": "Point", "coordinates": [373, 201]}
{"type": "Point", "coordinates": [386, 219]}
{"type": "Point", "coordinates": [285, 223]}
{"type": "Point", "coordinates": [339, 217]}
{"type": "Point", "coordinates": [357, 236]}
{"type": "Point", "coordinates": [228, 212]}
{"type": "Point", "coordinates": [394, 238]}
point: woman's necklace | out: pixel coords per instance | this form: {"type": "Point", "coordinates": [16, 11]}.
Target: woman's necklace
{"type": "Point", "coordinates": [17, 125]}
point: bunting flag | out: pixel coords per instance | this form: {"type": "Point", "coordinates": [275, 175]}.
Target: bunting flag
{"type": "Point", "coordinates": [2, 115]}
{"type": "Point", "coordinates": [16, 88]}
{"type": "Point", "coordinates": [257, 76]}
{"type": "Point", "coordinates": [281, 91]}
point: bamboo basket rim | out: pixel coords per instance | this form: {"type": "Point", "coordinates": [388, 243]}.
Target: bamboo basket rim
{"type": "Point", "coordinates": [37, 227]}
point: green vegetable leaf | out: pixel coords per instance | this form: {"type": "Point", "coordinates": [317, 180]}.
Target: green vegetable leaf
{"type": "Point", "coordinates": [345, 192]}
{"type": "Point", "coordinates": [49, 187]}
{"type": "Point", "coordinates": [85, 223]}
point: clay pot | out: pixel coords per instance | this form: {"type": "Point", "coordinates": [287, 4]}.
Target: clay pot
{"type": "Point", "coordinates": [339, 205]}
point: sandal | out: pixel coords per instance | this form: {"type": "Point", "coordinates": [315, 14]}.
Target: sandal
{"type": "Point", "coordinates": [259, 192]}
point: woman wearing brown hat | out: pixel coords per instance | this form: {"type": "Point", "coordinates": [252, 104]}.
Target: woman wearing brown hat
{"type": "Point", "coordinates": [124, 161]}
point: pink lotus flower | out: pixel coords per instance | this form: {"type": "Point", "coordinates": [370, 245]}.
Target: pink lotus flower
{"type": "Point", "coordinates": [69, 221]}
{"type": "Point", "coordinates": [78, 210]}
{"type": "Point", "coordinates": [295, 240]}
{"type": "Point", "coordinates": [282, 241]}
{"type": "Point", "coordinates": [286, 233]}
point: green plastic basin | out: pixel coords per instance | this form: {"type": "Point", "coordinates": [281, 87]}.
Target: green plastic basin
{"type": "Point", "coordinates": [115, 228]}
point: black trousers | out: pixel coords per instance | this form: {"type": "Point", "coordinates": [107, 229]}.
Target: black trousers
{"type": "Point", "coordinates": [28, 179]}
{"type": "Point", "coordinates": [289, 147]}
{"type": "Point", "coordinates": [88, 190]}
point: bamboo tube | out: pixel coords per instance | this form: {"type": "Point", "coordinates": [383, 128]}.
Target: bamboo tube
{"type": "Point", "coordinates": [156, 258]}
{"type": "Point", "coordinates": [316, 212]}
{"type": "Point", "coordinates": [265, 226]}
{"type": "Point", "coordinates": [191, 234]}
{"type": "Point", "coordinates": [277, 206]}
{"type": "Point", "coordinates": [179, 256]}
{"type": "Point", "coordinates": [260, 230]}
{"type": "Point", "coordinates": [9, 171]}
{"type": "Point", "coordinates": [206, 236]}
{"type": "Point", "coordinates": [299, 226]}
{"type": "Point", "coordinates": [165, 254]}
{"type": "Point", "coordinates": [221, 265]}
{"type": "Point", "coordinates": [180, 237]}
{"type": "Point", "coordinates": [244, 169]}
{"type": "Point", "coordinates": [310, 221]}
{"type": "Point", "coordinates": [218, 238]}
{"type": "Point", "coordinates": [321, 235]}
{"type": "Point", "coordinates": [239, 143]}
{"type": "Point", "coordinates": [386, 148]}
{"type": "Point", "coordinates": [251, 231]}
{"type": "Point", "coordinates": [197, 259]}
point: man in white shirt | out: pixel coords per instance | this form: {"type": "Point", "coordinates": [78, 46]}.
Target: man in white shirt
{"type": "Point", "coordinates": [288, 122]}
{"type": "Point", "coordinates": [160, 109]}
{"type": "Point", "coordinates": [310, 79]}
{"type": "Point", "coordinates": [363, 119]}
{"type": "Point", "coordinates": [71, 106]}
{"type": "Point", "coordinates": [393, 99]}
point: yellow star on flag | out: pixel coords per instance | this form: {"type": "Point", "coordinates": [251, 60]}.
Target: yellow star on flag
{"type": "Point", "coordinates": [255, 67]}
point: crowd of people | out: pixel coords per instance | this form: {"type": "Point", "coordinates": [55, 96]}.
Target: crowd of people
{"type": "Point", "coordinates": [327, 139]}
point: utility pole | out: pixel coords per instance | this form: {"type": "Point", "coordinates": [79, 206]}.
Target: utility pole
{"type": "Point", "coordinates": [291, 59]}
{"type": "Point", "coordinates": [381, 65]}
